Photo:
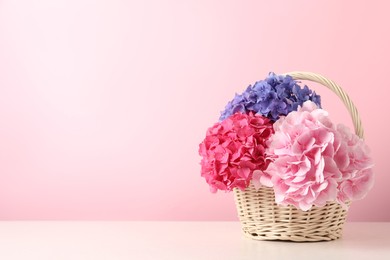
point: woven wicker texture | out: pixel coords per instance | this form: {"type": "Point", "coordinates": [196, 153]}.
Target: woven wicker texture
{"type": "Point", "coordinates": [262, 219]}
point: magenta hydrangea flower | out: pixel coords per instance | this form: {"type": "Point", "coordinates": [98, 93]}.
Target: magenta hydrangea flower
{"type": "Point", "coordinates": [316, 161]}
{"type": "Point", "coordinates": [233, 149]}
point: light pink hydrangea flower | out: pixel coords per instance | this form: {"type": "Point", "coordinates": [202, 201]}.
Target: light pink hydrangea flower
{"type": "Point", "coordinates": [355, 165]}
{"type": "Point", "coordinates": [233, 149]}
{"type": "Point", "coordinates": [357, 187]}
{"type": "Point", "coordinates": [315, 161]}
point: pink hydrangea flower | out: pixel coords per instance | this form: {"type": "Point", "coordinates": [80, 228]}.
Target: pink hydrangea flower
{"type": "Point", "coordinates": [316, 161]}
{"type": "Point", "coordinates": [357, 187]}
{"type": "Point", "coordinates": [355, 165]}
{"type": "Point", "coordinates": [233, 149]}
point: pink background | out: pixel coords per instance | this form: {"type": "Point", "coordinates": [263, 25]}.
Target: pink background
{"type": "Point", "coordinates": [103, 103]}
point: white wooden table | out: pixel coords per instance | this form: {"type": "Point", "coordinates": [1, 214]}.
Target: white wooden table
{"type": "Point", "coordinates": [57, 240]}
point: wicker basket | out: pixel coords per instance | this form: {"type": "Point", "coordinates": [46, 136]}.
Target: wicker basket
{"type": "Point", "coordinates": [262, 219]}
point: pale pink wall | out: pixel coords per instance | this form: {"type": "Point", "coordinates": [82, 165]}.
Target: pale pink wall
{"type": "Point", "coordinates": [103, 104]}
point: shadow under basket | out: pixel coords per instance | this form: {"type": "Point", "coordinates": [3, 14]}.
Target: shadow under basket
{"type": "Point", "coordinates": [262, 219]}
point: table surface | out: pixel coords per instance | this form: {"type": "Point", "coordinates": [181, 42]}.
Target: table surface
{"type": "Point", "coordinates": [177, 240]}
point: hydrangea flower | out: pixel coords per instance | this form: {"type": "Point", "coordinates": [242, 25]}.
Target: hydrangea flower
{"type": "Point", "coordinates": [316, 161]}
{"type": "Point", "coordinates": [273, 97]}
{"type": "Point", "coordinates": [233, 149]}
{"type": "Point", "coordinates": [355, 166]}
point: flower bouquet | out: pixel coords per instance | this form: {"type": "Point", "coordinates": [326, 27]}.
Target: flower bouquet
{"type": "Point", "coordinates": [293, 171]}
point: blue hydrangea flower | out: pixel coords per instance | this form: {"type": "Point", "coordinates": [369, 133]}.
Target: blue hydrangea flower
{"type": "Point", "coordinates": [273, 97]}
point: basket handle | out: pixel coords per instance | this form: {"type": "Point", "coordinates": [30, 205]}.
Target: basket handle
{"type": "Point", "coordinates": [357, 123]}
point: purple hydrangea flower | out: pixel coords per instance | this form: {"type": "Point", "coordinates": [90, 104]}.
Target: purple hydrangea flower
{"type": "Point", "coordinates": [273, 97]}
